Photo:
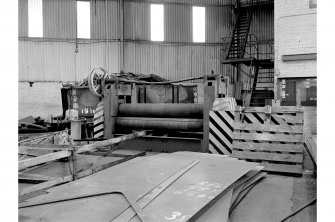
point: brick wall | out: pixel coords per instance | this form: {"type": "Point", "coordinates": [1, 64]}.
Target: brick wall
{"type": "Point", "coordinates": [41, 99]}
{"type": "Point", "coordinates": [295, 33]}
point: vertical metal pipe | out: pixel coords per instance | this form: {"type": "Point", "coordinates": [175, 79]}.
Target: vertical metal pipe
{"type": "Point", "coordinates": [110, 110]}
{"type": "Point", "coordinates": [107, 33]}
{"type": "Point", "coordinates": [121, 16]}
{"type": "Point", "coordinates": [74, 98]}
{"type": "Point", "coordinates": [209, 97]}
{"type": "Point", "coordinates": [76, 129]}
{"type": "Point", "coordinates": [76, 49]}
{"type": "Point", "coordinates": [76, 44]}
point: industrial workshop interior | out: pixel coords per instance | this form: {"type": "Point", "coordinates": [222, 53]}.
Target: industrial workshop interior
{"type": "Point", "coordinates": [167, 110]}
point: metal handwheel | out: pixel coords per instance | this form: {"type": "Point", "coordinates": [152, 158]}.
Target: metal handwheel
{"type": "Point", "coordinates": [94, 80]}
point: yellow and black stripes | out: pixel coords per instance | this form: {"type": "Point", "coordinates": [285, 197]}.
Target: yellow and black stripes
{"type": "Point", "coordinates": [220, 132]}
{"type": "Point", "coordinates": [274, 139]}
{"type": "Point", "coordinates": [98, 120]}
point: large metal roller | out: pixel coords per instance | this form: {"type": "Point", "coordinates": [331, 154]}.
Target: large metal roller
{"type": "Point", "coordinates": [168, 110]}
{"type": "Point", "coordinates": [177, 124]}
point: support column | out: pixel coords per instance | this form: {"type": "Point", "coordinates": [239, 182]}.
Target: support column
{"type": "Point", "coordinates": [134, 93]}
{"type": "Point", "coordinates": [121, 11]}
{"type": "Point", "coordinates": [110, 110]}
{"type": "Point", "coordinates": [209, 97]}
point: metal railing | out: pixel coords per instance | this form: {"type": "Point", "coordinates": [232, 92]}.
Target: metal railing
{"type": "Point", "coordinates": [236, 4]}
{"type": "Point", "coordinates": [256, 3]}
{"type": "Point", "coordinates": [258, 49]}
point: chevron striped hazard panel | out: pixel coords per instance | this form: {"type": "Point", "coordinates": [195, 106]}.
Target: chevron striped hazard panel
{"type": "Point", "coordinates": [221, 125]}
{"type": "Point", "coordinates": [98, 121]}
{"type": "Point", "coordinates": [221, 129]}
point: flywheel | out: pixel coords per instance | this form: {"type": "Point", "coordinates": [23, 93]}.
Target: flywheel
{"type": "Point", "coordinates": [94, 80]}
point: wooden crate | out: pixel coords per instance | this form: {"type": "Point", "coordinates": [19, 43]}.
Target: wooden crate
{"type": "Point", "coordinates": [271, 136]}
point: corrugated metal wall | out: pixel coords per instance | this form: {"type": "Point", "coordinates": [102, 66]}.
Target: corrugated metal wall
{"type": "Point", "coordinates": [182, 59]}
{"type": "Point", "coordinates": [53, 58]}
{"type": "Point", "coordinates": [220, 23]}
{"type": "Point", "coordinates": [23, 18]}
{"type": "Point", "coordinates": [172, 62]}
{"type": "Point", "coordinates": [262, 24]}
{"type": "Point", "coordinates": [193, 2]}
{"type": "Point", "coordinates": [58, 61]}
{"type": "Point", "coordinates": [59, 18]}
{"type": "Point", "coordinates": [136, 21]}
{"type": "Point", "coordinates": [178, 23]}
{"type": "Point", "coordinates": [98, 19]}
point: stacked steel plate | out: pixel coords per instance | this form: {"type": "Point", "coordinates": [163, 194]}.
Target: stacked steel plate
{"type": "Point", "coordinates": [182, 186]}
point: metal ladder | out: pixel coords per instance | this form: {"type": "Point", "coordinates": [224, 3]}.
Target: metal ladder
{"type": "Point", "coordinates": [240, 33]}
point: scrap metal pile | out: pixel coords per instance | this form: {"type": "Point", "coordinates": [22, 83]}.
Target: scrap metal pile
{"type": "Point", "coordinates": [194, 187]}
{"type": "Point", "coordinates": [50, 159]}
{"type": "Point", "coordinates": [29, 126]}
{"type": "Point", "coordinates": [138, 77]}
{"type": "Point", "coordinates": [99, 75]}
{"type": "Point", "coordinates": [33, 125]}
{"type": "Point", "coordinates": [124, 76]}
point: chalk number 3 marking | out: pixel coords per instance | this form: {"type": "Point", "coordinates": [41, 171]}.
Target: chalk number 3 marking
{"type": "Point", "coordinates": [177, 216]}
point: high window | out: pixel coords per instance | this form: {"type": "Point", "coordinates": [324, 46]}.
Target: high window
{"type": "Point", "coordinates": [157, 22]}
{"type": "Point", "coordinates": [199, 16]}
{"type": "Point", "coordinates": [83, 20]}
{"type": "Point", "coordinates": [35, 18]}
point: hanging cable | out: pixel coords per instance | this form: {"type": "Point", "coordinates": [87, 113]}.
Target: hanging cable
{"type": "Point", "coordinates": [76, 28]}
{"type": "Point", "coordinates": [107, 37]}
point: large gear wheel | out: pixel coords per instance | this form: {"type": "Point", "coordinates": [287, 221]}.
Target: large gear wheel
{"type": "Point", "coordinates": [94, 80]}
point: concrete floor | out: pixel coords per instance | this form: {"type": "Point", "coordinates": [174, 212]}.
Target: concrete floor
{"type": "Point", "coordinates": [272, 199]}
{"type": "Point", "coordinates": [276, 197]}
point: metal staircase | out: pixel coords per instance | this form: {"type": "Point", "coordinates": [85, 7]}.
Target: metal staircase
{"type": "Point", "coordinates": [244, 48]}
{"type": "Point", "coordinates": [263, 84]}
{"type": "Point", "coordinates": [240, 34]}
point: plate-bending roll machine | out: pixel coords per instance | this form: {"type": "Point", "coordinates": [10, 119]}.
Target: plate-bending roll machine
{"type": "Point", "coordinates": [170, 126]}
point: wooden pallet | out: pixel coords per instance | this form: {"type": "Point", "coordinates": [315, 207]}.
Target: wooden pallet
{"type": "Point", "coordinates": [37, 156]}
{"type": "Point", "coordinates": [270, 136]}
{"type": "Point", "coordinates": [59, 138]}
